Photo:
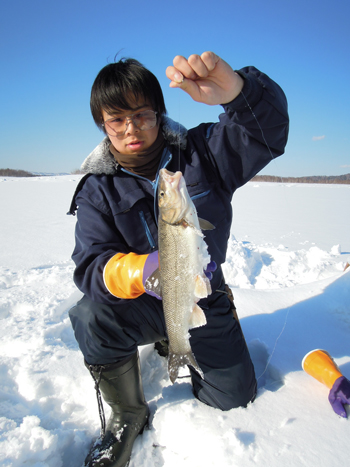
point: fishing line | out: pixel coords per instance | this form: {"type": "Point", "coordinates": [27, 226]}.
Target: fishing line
{"type": "Point", "coordinates": [257, 121]}
{"type": "Point", "coordinates": [272, 158]}
{"type": "Point", "coordinates": [288, 311]}
{"type": "Point", "coordinates": [179, 131]}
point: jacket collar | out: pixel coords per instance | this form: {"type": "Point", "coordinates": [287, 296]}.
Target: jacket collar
{"type": "Point", "coordinates": [101, 162]}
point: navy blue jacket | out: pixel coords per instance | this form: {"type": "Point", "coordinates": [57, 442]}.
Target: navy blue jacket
{"type": "Point", "coordinates": [117, 210]}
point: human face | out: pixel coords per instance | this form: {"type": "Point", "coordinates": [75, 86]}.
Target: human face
{"type": "Point", "coordinates": [134, 141]}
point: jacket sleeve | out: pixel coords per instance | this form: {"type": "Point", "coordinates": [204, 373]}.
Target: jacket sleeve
{"type": "Point", "coordinates": [105, 271]}
{"type": "Point", "coordinates": [251, 133]}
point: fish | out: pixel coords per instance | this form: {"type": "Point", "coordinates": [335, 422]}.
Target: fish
{"type": "Point", "coordinates": [183, 258]}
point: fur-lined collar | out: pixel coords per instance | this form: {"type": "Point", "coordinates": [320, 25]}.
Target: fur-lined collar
{"type": "Point", "coordinates": [101, 161]}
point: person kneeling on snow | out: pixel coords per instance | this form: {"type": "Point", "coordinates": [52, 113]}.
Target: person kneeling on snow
{"type": "Point", "coordinates": [117, 237]}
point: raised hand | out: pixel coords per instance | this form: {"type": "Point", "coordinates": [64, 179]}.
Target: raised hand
{"type": "Point", "coordinates": [206, 78]}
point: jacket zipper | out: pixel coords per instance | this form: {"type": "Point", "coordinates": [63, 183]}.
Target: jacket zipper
{"type": "Point", "coordinates": [147, 230]}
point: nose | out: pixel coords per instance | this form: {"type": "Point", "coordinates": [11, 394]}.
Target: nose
{"type": "Point", "coordinates": [130, 126]}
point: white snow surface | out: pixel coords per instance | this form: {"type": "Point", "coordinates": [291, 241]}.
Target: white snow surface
{"type": "Point", "coordinates": [288, 248]}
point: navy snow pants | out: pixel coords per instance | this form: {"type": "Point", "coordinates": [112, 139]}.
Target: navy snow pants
{"type": "Point", "coordinates": [109, 334]}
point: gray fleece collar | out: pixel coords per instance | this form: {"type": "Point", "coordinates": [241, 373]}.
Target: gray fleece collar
{"type": "Point", "coordinates": [101, 161]}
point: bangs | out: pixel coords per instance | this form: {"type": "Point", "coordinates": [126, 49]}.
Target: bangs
{"type": "Point", "coordinates": [121, 101]}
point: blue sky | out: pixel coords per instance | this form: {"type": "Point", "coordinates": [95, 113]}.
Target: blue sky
{"type": "Point", "coordinates": [51, 52]}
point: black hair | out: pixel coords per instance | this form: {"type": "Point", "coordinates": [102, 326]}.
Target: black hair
{"type": "Point", "coordinates": [117, 81]}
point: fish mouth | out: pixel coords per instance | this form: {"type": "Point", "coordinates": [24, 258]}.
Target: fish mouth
{"type": "Point", "coordinates": [169, 182]}
{"type": "Point", "coordinates": [172, 178]}
{"type": "Point", "coordinates": [171, 199]}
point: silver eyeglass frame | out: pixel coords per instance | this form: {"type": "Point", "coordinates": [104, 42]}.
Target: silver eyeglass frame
{"type": "Point", "coordinates": [128, 119]}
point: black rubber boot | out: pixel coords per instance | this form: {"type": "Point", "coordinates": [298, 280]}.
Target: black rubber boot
{"type": "Point", "coordinates": [121, 389]}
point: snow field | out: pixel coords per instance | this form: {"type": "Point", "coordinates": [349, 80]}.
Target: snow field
{"type": "Point", "coordinates": [287, 251]}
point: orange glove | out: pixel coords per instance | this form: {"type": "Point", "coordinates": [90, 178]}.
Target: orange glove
{"type": "Point", "coordinates": [125, 274]}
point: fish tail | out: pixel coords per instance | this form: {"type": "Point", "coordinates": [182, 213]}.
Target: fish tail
{"type": "Point", "coordinates": [175, 361]}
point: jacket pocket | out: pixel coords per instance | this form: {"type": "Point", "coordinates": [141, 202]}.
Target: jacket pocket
{"type": "Point", "coordinates": [200, 195]}
{"type": "Point", "coordinates": [134, 220]}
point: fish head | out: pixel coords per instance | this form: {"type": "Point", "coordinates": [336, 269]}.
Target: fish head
{"type": "Point", "coordinates": [173, 199]}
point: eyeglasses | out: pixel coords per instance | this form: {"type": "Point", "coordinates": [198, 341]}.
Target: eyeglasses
{"type": "Point", "coordinates": [117, 126]}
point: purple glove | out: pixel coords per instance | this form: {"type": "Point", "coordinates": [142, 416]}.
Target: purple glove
{"type": "Point", "coordinates": [150, 277]}
{"type": "Point", "coordinates": [211, 267]}
{"type": "Point", "coordinates": [339, 395]}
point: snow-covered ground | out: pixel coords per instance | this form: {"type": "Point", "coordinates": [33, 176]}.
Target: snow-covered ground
{"type": "Point", "coordinates": [287, 252]}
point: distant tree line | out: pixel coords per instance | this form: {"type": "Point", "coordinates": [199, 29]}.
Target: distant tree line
{"type": "Point", "coordinates": [336, 179]}
{"type": "Point", "coordinates": [77, 172]}
{"type": "Point", "coordinates": [15, 173]}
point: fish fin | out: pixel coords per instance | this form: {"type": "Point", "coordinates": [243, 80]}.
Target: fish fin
{"type": "Point", "coordinates": [152, 283]}
{"type": "Point", "coordinates": [207, 281]}
{"type": "Point", "coordinates": [202, 286]}
{"type": "Point", "coordinates": [175, 361]}
{"type": "Point", "coordinates": [205, 225]}
{"type": "Point", "coordinates": [197, 317]}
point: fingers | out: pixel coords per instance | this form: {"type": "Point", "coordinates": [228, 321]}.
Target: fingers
{"type": "Point", "coordinates": [174, 75]}
{"type": "Point", "coordinates": [206, 78]}
{"type": "Point", "coordinates": [195, 67]}
{"type": "Point", "coordinates": [183, 66]}
{"type": "Point", "coordinates": [209, 59]}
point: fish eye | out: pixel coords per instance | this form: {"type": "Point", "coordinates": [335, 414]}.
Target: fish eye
{"type": "Point", "coordinates": [161, 194]}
